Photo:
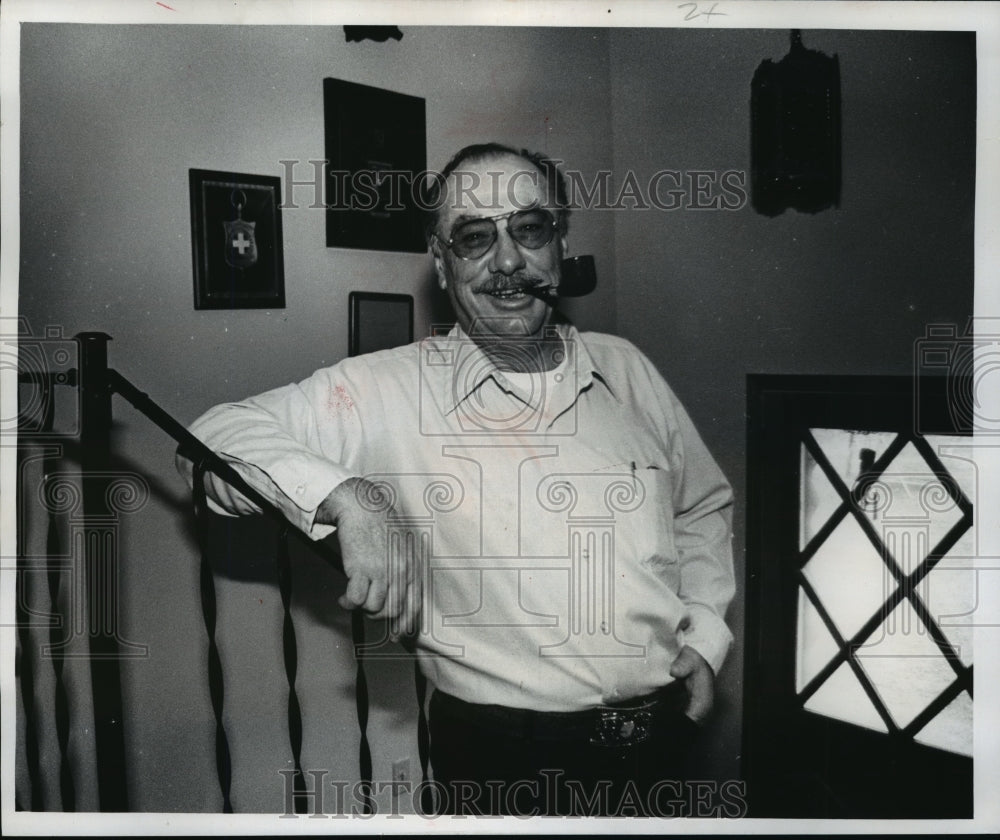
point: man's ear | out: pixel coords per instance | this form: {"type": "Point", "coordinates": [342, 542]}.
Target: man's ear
{"type": "Point", "coordinates": [439, 264]}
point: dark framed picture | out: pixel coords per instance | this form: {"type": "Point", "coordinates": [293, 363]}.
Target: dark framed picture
{"type": "Point", "coordinates": [376, 152]}
{"type": "Point", "coordinates": [378, 321]}
{"type": "Point", "coordinates": [236, 240]}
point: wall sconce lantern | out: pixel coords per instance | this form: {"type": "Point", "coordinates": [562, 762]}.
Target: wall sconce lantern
{"type": "Point", "coordinates": [372, 33]}
{"type": "Point", "coordinates": [795, 132]}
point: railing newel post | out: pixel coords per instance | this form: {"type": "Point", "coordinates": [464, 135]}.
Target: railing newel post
{"type": "Point", "coordinates": [99, 563]}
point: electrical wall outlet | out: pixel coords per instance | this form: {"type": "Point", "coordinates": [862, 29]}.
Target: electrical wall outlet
{"type": "Point", "coordinates": [401, 770]}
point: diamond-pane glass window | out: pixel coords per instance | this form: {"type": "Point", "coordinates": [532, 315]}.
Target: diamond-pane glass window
{"type": "Point", "coordinates": [885, 589]}
{"type": "Point", "coordinates": [821, 646]}
{"type": "Point", "coordinates": [849, 577]}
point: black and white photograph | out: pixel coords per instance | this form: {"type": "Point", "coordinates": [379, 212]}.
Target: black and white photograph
{"type": "Point", "coordinates": [378, 321]}
{"type": "Point", "coordinates": [499, 417]}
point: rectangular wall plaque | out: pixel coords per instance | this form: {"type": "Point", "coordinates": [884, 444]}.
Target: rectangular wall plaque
{"type": "Point", "coordinates": [376, 148]}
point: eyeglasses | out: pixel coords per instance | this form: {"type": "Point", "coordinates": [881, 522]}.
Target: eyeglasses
{"type": "Point", "coordinates": [531, 228]}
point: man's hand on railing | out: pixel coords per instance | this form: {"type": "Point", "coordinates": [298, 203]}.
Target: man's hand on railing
{"type": "Point", "coordinates": [383, 576]}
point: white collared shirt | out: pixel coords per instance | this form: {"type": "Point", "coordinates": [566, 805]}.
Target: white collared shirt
{"type": "Point", "coordinates": [575, 530]}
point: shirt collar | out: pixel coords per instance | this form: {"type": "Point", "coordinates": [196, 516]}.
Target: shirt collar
{"type": "Point", "coordinates": [460, 366]}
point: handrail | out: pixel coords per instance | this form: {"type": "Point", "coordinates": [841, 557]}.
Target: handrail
{"type": "Point", "coordinates": [196, 451]}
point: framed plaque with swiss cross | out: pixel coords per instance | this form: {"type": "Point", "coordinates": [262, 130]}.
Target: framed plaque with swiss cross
{"type": "Point", "coordinates": [236, 240]}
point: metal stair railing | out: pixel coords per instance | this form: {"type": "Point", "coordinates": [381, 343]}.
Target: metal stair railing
{"type": "Point", "coordinates": [97, 385]}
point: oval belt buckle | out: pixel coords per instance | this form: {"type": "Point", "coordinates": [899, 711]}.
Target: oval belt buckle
{"type": "Point", "coordinates": [621, 727]}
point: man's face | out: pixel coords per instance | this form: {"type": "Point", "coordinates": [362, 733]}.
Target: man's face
{"type": "Point", "coordinates": [487, 291]}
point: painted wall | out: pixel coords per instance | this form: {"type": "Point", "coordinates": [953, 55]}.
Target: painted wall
{"type": "Point", "coordinates": [713, 295]}
{"type": "Point", "coordinates": [113, 118]}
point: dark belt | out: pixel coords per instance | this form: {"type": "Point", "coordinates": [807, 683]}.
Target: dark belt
{"type": "Point", "coordinates": [615, 725]}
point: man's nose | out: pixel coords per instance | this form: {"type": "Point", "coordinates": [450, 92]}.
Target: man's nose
{"type": "Point", "coordinates": [507, 256]}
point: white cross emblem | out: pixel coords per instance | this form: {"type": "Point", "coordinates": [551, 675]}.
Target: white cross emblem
{"type": "Point", "coordinates": [241, 244]}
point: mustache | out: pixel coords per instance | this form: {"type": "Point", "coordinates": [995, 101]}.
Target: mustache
{"type": "Point", "coordinates": [521, 282]}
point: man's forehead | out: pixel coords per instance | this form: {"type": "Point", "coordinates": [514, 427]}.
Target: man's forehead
{"type": "Point", "coordinates": [496, 183]}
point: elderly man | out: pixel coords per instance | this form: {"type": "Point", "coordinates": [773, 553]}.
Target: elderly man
{"type": "Point", "coordinates": [531, 503]}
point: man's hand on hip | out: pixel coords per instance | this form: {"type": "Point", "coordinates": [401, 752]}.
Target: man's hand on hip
{"type": "Point", "coordinates": [383, 578]}
{"type": "Point", "coordinates": [699, 679]}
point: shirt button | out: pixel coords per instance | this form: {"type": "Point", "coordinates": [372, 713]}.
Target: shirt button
{"type": "Point", "coordinates": [300, 489]}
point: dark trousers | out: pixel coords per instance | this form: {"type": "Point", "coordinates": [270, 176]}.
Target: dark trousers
{"type": "Point", "coordinates": [491, 760]}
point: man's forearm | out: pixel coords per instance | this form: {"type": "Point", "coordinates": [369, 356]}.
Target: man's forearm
{"type": "Point", "coordinates": [272, 451]}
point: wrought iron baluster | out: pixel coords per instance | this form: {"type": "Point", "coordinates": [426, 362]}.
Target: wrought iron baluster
{"type": "Point", "coordinates": [290, 655]}
{"type": "Point", "coordinates": [25, 675]}
{"type": "Point", "coordinates": [216, 685]}
{"type": "Point", "coordinates": [43, 424]}
{"type": "Point", "coordinates": [24, 668]}
{"type": "Point", "coordinates": [24, 662]}
{"type": "Point", "coordinates": [423, 738]}
{"type": "Point", "coordinates": [361, 702]}
{"type": "Point", "coordinates": [54, 572]}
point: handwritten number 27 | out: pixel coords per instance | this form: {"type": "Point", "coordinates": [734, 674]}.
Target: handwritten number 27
{"type": "Point", "coordinates": [693, 12]}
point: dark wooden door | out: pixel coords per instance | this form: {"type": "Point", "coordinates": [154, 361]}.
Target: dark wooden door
{"type": "Point", "coordinates": [860, 599]}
